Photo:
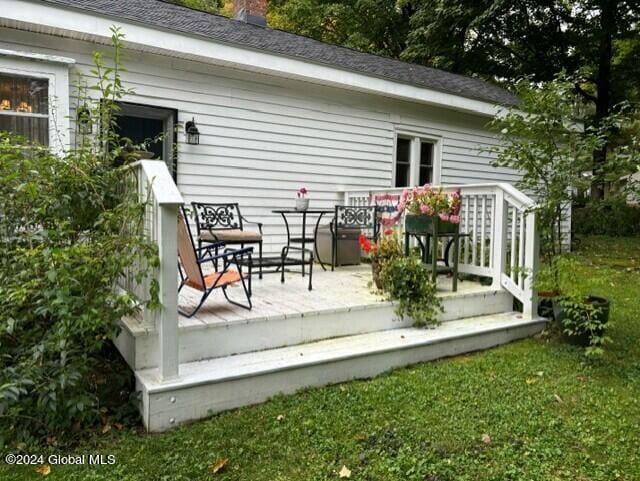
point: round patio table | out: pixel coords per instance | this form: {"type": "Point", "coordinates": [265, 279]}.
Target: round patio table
{"type": "Point", "coordinates": [304, 239]}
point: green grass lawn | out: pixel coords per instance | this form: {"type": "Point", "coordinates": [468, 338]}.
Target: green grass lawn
{"type": "Point", "coordinates": [550, 414]}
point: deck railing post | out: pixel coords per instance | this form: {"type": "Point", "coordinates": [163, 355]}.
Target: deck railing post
{"type": "Point", "coordinates": [499, 238]}
{"type": "Point", "coordinates": [168, 291]}
{"type": "Point", "coordinates": [531, 259]}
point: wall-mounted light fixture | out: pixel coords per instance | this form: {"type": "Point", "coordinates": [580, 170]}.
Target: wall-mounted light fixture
{"type": "Point", "coordinates": [5, 104]}
{"type": "Point", "coordinates": [192, 132]}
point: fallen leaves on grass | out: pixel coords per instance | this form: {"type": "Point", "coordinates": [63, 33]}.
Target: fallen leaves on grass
{"type": "Point", "coordinates": [486, 439]}
{"type": "Point", "coordinates": [218, 465]}
{"type": "Point", "coordinates": [344, 472]}
{"type": "Point", "coordinates": [44, 470]}
{"type": "Point", "coordinates": [558, 398]}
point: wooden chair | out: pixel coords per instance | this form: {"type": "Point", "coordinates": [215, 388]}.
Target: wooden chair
{"type": "Point", "coordinates": [224, 223]}
{"type": "Point", "coordinates": [191, 260]}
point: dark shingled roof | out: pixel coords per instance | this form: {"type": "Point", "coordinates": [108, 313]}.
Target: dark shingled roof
{"type": "Point", "coordinates": [173, 17]}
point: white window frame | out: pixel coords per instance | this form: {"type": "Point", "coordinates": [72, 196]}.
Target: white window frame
{"type": "Point", "coordinates": [56, 71]}
{"type": "Point", "coordinates": [414, 159]}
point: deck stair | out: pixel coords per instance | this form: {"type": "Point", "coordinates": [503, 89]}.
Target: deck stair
{"type": "Point", "coordinates": [222, 383]}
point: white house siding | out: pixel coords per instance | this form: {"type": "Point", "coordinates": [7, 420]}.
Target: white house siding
{"type": "Point", "coordinates": [263, 137]}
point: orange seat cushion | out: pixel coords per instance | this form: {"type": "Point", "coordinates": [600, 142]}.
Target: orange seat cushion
{"type": "Point", "coordinates": [222, 279]}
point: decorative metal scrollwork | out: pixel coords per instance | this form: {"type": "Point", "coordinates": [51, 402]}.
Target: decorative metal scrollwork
{"type": "Point", "coordinates": [362, 217]}
{"type": "Point", "coordinates": [218, 216]}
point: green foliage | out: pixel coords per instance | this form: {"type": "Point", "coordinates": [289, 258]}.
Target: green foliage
{"type": "Point", "coordinates": [544, 141]}
{"type": "Point", "coordinates": [70, 226]}
{"type": "Point", "coordinates": [210, 6]}
{"type": "Point", "coordinates": [408, 282]}
{"type": "Point", "coordinates": [582, 317]}
{"type": "Point", "coordinates": [612, 217]}
{"type": "Point", "coordinates": [374, 26]}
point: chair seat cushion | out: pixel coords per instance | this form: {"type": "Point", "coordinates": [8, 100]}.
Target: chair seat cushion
{"type": "Point", "coordinates": [220, 279]}
{"type": "Point", "coordinates": [230, 235]}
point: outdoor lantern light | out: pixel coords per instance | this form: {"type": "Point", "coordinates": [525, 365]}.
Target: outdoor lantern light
{"type": "Point", "coordinates": [5, 104]}
{"type": "Point", "coordinates": [193, 134]}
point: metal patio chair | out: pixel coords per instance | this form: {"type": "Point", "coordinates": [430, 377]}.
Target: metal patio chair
{"type": "Point", "coordinates": [224, 223]}
{"type": "Point", "coordinates": [352, 217]}
{"type": "Point", "coordinates": [191, 260]}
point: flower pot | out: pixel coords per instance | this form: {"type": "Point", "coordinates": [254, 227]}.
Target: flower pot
{"type": "Point", "coordinates": [424, 224]}
{"type": "Point", "coordinates": [376, 273]}
{"type": "Point", "coordinates": [302, 204]}
{"type": "Point", "coordinates": [600, 318]}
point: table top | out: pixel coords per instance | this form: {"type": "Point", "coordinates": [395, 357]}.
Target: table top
{"type": "Point", "coordinates": [308, 211]}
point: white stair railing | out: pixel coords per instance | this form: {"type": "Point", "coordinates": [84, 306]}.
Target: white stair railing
{"type": "Point", "coordinates": [157, 189]}
{"type": "Point", "coordinates": [502, 241]}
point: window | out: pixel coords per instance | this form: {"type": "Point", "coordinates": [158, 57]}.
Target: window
{"type": "Point", "coordinates": [426, 163]}
{"type": "Point", "coordinates": [24, 107]}
{"type": "Point", "coordinates": [403, 162]}
{"type": "Point", "coordinates": [415, 162]}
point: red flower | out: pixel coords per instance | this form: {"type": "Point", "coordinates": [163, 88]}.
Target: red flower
{"type": "Point", "coordinates": [364, 243]}
{"type": "Point", "coordinates": [388, 231]}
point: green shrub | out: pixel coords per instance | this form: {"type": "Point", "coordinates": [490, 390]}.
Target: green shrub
{"type": "Point", "coordinates": [612, 217]}
{"type": "Point", "coordinates": [67, 233]}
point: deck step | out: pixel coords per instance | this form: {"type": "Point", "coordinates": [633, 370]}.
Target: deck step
{"type": "Point", "coordinates": [255, 332]}
{"type": "Point", "coordinates": [223, 383]}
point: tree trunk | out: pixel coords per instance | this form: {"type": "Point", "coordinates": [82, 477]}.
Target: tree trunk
{"type": "Point", "coordinates": [603, 86]}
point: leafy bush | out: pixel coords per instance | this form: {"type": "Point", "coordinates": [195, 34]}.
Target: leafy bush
{"type": "Point", "coordinates": [584, 321]}
{"type": "Point", "coordinates": [612, 217]}
{"type": "Point", "coordinates": [408, 282]}
{"type": "Point", "coordinates": [68, 231]}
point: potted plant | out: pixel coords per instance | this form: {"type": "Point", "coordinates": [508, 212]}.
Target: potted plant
{"type": "Point", "coordinates": [426, 206]}
{"type": "Point", "coordinates": [409, 284]}
{"type": "Point", "coordinates": [302, 201]}
{"type": "Point", "coordinates": [380, 252]}
{"type": "Point", "coordinates": [582, 319]}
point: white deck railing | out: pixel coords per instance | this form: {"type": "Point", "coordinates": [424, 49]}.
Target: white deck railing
{"type": "Point", "coordinates": [503, 240]}
{"type": "Point", "coordinates": [159, 192]}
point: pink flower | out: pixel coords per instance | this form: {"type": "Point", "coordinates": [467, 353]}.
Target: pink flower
{"type": "Point", "coordinates": [444, 216]}
{"type": "Point", "coordinates": [454, 219]}
{"type": "Point", "coordinates": [425, 209]}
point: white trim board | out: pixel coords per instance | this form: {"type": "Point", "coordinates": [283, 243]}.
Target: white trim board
{"type": "Point", "coordinates": [37, 56]}
{"type": "Point", "coordinates": [73, 23]}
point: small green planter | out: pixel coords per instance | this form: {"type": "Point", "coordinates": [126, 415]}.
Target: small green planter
{"type": "Point", "coordinates": [424, 224]}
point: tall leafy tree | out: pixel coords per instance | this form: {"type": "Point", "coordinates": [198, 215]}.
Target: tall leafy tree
{"type": "Point", "coordinates": [375, 26]}
{"type": "Point", "coordinates": [211, 6]}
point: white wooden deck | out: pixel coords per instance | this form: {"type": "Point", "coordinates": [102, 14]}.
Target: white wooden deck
{"type": "Point", "coordinates": [295, 338]}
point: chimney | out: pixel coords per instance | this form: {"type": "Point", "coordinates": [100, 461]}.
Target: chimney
{"type": "Point", "coordinates": [251, 11]}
